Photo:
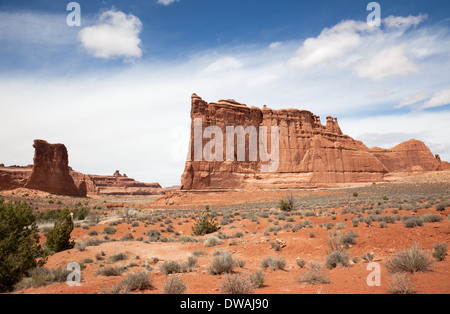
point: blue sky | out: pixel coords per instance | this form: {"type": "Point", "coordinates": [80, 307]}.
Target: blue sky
{"type": "Point", "coordinates": [116, 90]}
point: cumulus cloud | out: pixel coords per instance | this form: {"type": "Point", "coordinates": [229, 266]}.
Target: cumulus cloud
{"type": "Point", "coordinates": [167, 2]}
{"type": "Point", "coordinates": [389, 62]}
{"type": "Point", "coordinates": [115, 35]}
{"type": "Point", "coordinates": [330, 45]}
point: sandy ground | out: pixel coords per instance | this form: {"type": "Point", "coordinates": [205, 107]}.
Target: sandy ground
{"type": "Point", "coordinates": [255, 242]}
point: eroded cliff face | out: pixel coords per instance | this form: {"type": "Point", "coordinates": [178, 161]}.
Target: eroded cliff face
{"type": "Point", "coordinates": [310, 154]}
{"type": "Point", "coordinates": [50, 172]}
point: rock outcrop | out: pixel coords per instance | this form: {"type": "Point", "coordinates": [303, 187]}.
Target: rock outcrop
{"type": "Point", "coordinates": [309, 154]}
{"type": "Point", "coordinates": [117, 184]}
{"type": "Point", "coordinates": [51, 172]}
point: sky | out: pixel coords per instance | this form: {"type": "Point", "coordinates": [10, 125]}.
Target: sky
{"type": "Point", "coordinates": [113, 80]}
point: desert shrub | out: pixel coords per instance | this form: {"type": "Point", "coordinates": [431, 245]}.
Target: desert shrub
{"type": "Point", "coordinates": [412, 222]}
{"type": "Point", "coordinates": [315, 275]}
{"type": "Point", "coordinates": [301, 263]}
{"type": "Point", "coordinates": [205, 224]}
{"type": "Point", "coordinates": [223, 262]}
{"type": "Point", "coordinates": [110, 271]}
{"type": "Point", "coordinates": [431, 218]}
{"type": "Point", "coordinates": [276, 246]}
{"type": "Point", "coordinates": [212, 241]}
{"type": "Point", "coordinates": [137, 282]}
{"type": "Point", "coordinates": [170, 267]}
{"type": "Point", "coordinates": [42, 276]}
{"type": "Point", "coordinates": [199, 253]}
{"type": "Point", "coordinates": [287, 205]}
{"type": "Point", "coordinates": [19, 243]}
{"type": "Point", "coordinates": [273, 263]}
{"type": "Point", "coordinates": [368, 257]}
{"type": "Point", "coordinates": [273, 228]}
{"type": "Point", "coordinates": [348, 239]}
{"type": "Point", "coordinates": [441, 207]}
{"type": "Point", "coordinates": [410, 260]}
{"type": "Point", "coordinates": [117, 257]}
{"type": "Point", "coordinates": [337, 258]}
{"type": "Point", "coordinates": [440, 251]}
{"type": "Point", "coordinates": [401, 283]}
{"type": "Point", "coordinates": [58, 239]}
{"type": "Point", "coordinates": [257, 279]}
{"type": "Point", "coordinates": [93, 233]}
{"type": "Point", "coordinates": [236, 284]}
{"type": "Point", "coordinates": [187, 238]}
{"type": "Point", "coordinates": [174, 286]}
{"type": "Point", "coordinates": [109, 230]}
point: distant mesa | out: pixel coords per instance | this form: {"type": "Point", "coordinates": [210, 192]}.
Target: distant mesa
{"type": "Point", "coordinates": [310, 154]}
{"type": "Point", "coordinates": [51, 173]}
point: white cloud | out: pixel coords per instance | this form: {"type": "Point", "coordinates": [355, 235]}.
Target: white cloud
{"type": "Point", "coordinates": [36, 28]}
{"type": "Point", "coordinates": [391, 61]}
{"type": "Point", "coordinates": [330, 45]}
{"type": "Point", "coordinates": [275, 45]}
{"type": "Point", "coordinates": [167, 2]}
{"type": "Point", "coordinates": [223, 65]}
{"type": "Point", "coordinates": [439, 99]}
{"type": "Point", "coordinates": [412, 100]}
{"type": "Point", "coordinates": [400, 22]}
{"type": "Point", "coordinates": [115, 35]}
{"type": "Point", "coordinates": [138, 114]}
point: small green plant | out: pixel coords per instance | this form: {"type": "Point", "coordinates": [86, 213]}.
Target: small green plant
{"type": "Point", "coordinates": [58, 239]}
{"type": "Point", "coordinates": [355, 194]}
{"type": "Point", "coordinates": [301, 263]}
{"type": "Point", "coordinates": [212, 241]}
{"type": "Point", "coordinates": [205, 223]}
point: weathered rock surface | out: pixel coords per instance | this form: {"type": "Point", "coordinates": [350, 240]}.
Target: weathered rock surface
{"type": "Point", "coordinates": [310, 154]}
{"type": "Point", "coordinates": [50, 171]}
{"type": "Point", "coordinates": [117, 184]}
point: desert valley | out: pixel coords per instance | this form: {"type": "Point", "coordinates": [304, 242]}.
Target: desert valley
{"type": "Point", "coordinates": [333, 217]}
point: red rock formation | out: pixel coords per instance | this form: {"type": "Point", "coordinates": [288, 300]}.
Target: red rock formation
{"type": "Point", "coordinates": [310, 154]}
{"type": "Point", "coordinates": [51, 170]}
{"type": "Point", "coordinates": [407, 155]}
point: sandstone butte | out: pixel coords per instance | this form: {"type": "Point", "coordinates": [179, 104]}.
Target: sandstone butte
{"type": "Point", "coordinates": [310, 154]}
{"type": "Point", "coordinates": [51, 173]}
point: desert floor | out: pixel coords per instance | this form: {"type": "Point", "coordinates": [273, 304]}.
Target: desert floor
{"type": "Point", "coordinates": [250, 222]}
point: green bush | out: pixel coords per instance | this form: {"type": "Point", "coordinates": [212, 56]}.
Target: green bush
{"type": "Point", "coordinates": [58, 239]}
{"type": "Point", "coordinates": [19, 244]}
{"type": "Point", "coordinates": [205, 224]}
